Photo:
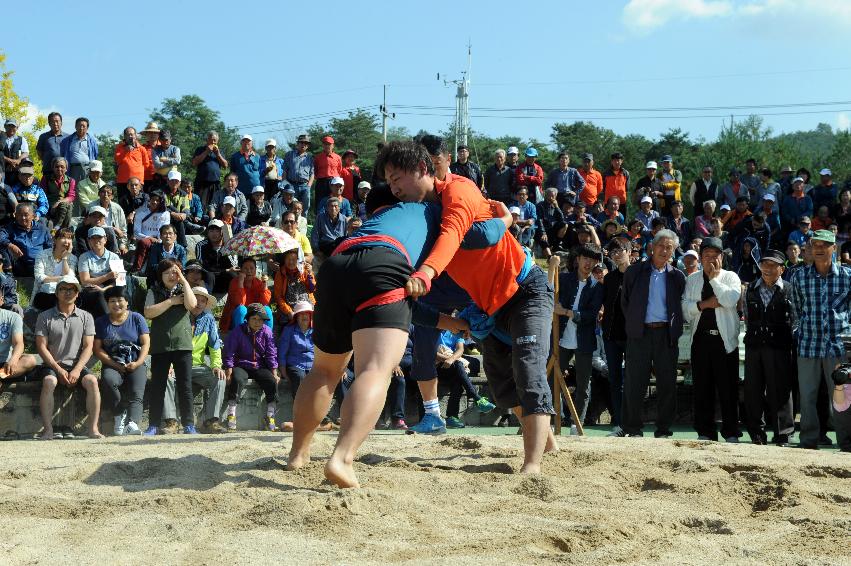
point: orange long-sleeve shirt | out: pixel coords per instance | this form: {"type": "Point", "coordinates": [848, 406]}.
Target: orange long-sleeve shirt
{"type": "Point", "coordinates": [489, 275]}
{"type": "Point", "coordinates": [256, 292]}
{"type": "Point", "coordinates": [280, 294]}
{"type": "Point", "coordinates": [593, 186]}
{"type": "Point", "coordinates": [131, 162]}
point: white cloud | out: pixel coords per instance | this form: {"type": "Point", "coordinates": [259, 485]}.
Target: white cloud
{"type": "Point", "coordinates": [843, 121]}
{"type": "Point", "coordinates": [33, 111]}
{"type": "Point", "coordinates": [643, 16]}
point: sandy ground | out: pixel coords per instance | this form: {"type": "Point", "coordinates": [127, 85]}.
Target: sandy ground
{"type": "Point", "coordinates": [227, 500]}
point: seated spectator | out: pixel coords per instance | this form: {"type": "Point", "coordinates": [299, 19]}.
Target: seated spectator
{"type": "Point", "coordinates": [646, 214]}
{"type": "Point", "coordinates": [197, 219]}
{"type": "Point", "coordinates": [298, 208]}
{"type": "Point", "coordinates": [167, 247]}
{"type": "Point", "coordinates": [13, 361]}
{"type": "Point", "coordinates": [8, 201]}
{"type": "Point", "coordinates": [198, 276]}
{"type": "Point", "coordinates": [281, 203]}
{"type": "Point", "coordinates": [329, 228]}
{"type": "Point", "coordinates": [146, 227]}
{"type": "Point", "coordinates": [336, 191]}
{"type": "Point", "coordinates": [61, 192]}
{"type": "Point", "coordinates": [746, 262]}
{"type": "Point", "coordinates": [132, 200]}
{"type": "Point", "coordinates": [398, 385]}
{"type": "Point", "coordinates": [359, 202]}
{"type": "Point", "coordinates": [165, 157]}
{"type": "Point", "coordinates": [177, 205]}
{"type": "Point", "coordinates": [259, 211]}
{"type": "Point", "coordinates": [612, 211]}
{"type": "Point", "coordinates": [452, 365]}
{"type": "Point", "coordinates": [580, 215]}
{"type": "Point", "coordinates": [22, 241]}
{"type": "Point", "coordinates": [271, 170]}
{"type": "Point", "coordinates": [167, 305]}
{"type": "Point", "coordinates": [229, 190]}
{"type": "Point", "coordinates": [231, 223]}
{"type": "Point", "coordinates": [250, 353]}
{"type": "Point", "coordinates": [609, 229]}
{"type": "Point", "coordinates": [99, 270]}
{"type": "Point", "coordinates": [295, 346]}
{"type": "Point", "coordinates": [803, 233]}
{"type": "Point", "coordinates": [114, 217]}
{"type": "Point", "coordinates": [294, 283]}
{"type": "Point", "coordinates": [96, 217]}
{"type": "Point", "coordinates": [528, 217]}
{"type": "Point", "coordinates": [679, 223]}
{"type": "Point", "coordinates": [740, 213]}
{"type": "Point", "coordinates": [214, 260]}
{"type": "Point", "coordinates": [822, 221]}
{"type": "Point", "coordinates": [122, 341]}
{"type": "Point", "coordinates": [703, 223]}
{"type": "Point", "coordinates": [691, 262]}
{"type": "Point", "coordinates": [89, 188]}
{"type": "Point", "coordinates": [289, 225]}
{"type": "Point", "coordinates": [26, 190]}
{"type": "Point", "coordinates": [552, 221]}
{"type": "Point", "coordinates": [51, 266]}
{"type": "Point", "coordinates": [64, 337]}
{"type": "Point", "coordinates": [245, 289]}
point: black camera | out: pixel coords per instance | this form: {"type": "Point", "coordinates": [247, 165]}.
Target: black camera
{"type": "Point", "coordinates": [842, 374]}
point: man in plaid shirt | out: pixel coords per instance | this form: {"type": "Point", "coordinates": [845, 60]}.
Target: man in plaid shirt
{"type": "Point", "coordinates": [820, 303]}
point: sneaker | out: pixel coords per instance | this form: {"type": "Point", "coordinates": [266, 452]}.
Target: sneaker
{"type": "Point", "coordinates": [132, 429]}
{"type": "Point", "coordinates": [473, 351]}
{"type": "Point", "coordinates": [617, 432]}
{"type": "Point", "coordinates": [504, 421]}
{"type": "Point", "coordinates": [170, 426]}
{"type": "Point", "coordinates": [400, 424]}
{"type": "Point", "coordinates": [703, 437]}
{"type": "Point", "coordinates": [732, 439]}
{"type": "Point", "coordinates": [270, 424]}
{"type": "Point", "coordinates": [454, 422]}
{"type": "Point", "coordinates": [663, 434]}
{"type": "Point", "coordinates": [430, 424]}
{"type": "Point", "coordinates": [151, 431]}
{"type": "Point", "coordinates": [824, 440]}
{"type": "Point", "coordinates": [189, 429]}
{"type": "Point", "coordinates": [484, 405]}
{"type": "Point", "coordinates": [118, 426]}
{"type": "Point", "coordinates": [231, 422]}
{"type": "Point", "coordinates": [213, 426]}
{"type": "Point", "coordinates": [573, 430]}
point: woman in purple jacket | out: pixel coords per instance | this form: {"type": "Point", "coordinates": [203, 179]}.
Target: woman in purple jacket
{"type": "Point", "coordinates": [250, 353]}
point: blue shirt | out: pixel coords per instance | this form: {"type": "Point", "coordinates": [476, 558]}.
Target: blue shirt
{"type": "Point", "coordinates": [122, 341]}
{"type": "Point", "coordinates": [96, 265]}
{"type": "Point", "coordinates": [32, 243]}
{"type": "Point", "coordinates": [79, 151]}
{"type": "Point", "coordinates": [567, 180]}
{"type": "Point", "coordinates": [279, 165]}
{"type": "Point", "coordinates": [345, 206]}
{"type": "Point", "coordinates": [657, 296]}
{"type": "Point", "coordinates": [50, 147]}
{"type": "Point", "coordinates": [298, 169]}
{"type": "Point", "coordinates": [295, 348]}
{"type": "Point", "coordinates": [247, 169]}
{"type": "Point", "coordinates": [821, 305]}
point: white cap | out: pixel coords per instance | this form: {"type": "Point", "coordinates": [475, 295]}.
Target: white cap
{"type": "Point", "coordinates": [69, 280]}
{"type": "Point", "coordinates": [513, 150]}
{"type": "Point", "coordinates": [797, 180]}
{"type": "Point", "coordinates": [99, 210]}
{"type": "Point", "coordinates": [651, 165]}
{"type": "Point", "coordinates": [825, 171]}
{"type": "Point", "coordinates": [229, 200]}
{"type": "Point", "coordinates": [769, 197]}
{"type": "Point", "coordinates": [246, 137]}
{"type": "Point", "coordinates": [514, 210]}
{"type": "Point", "coordinates": [272, 142]}
{"type": "Point", "coordinates": [725, 206]}
{"type": "Point", "coordinates": [692, 253]}
{"type": "Point", "coordinates": [337, 181]}
{"type": "Point", "coordinates": [96, 165]}
{"type": "Point", "coordinates": [257, 189]}
{"type": "Point", "coordinates": [174, 175]}
{"type": "Point", "coordinates": [646, 199]}
{"type": "Point", "coordinates": [216, 223]}
{"type": "Point", "coordinates": [364, 185]}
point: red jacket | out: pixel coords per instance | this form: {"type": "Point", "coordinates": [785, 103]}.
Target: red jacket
{"type": "Point", "coordinates": [529, 181]}
{"type": "Point", "coordinates": [327, 165]}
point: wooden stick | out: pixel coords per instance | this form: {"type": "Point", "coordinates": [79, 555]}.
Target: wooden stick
{"type": "Point", "coordinates": [559, 385]}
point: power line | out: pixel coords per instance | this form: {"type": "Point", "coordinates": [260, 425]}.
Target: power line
{"type": "Point", "coordinates": [657, 109]}
{"type": "Point", "coordinates": [591, 118]}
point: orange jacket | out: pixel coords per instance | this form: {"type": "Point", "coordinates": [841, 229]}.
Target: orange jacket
{"type": "Point", "coordinates": [593, 186]}
{"type": "Point", "coordinates": [131, 162]}
{"type": "Point", "coordinates": [280, 294]}
{"type": "Point", "coordinates": [256, 292]}
{"type": "Point", "coordinates": [489, 275]}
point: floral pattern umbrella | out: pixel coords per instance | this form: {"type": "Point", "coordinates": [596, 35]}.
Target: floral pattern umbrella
{"type": "Point", "coordinates": [260, 240]}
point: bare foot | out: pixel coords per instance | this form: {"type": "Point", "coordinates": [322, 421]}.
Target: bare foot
{"type": "Point", "coordinates": [286, 427]}
{"type": "Point", "coordinates": [296, 461]}
{"type": "Point", "coordinates": [95, 434]}
{"type": "Point", "coordinates": [530, 468]}
{"type": "Point", "coordinates": [46, 435]}
{"type": "Point", "coordinates": [552, 445]}
{"type": "Point", "coordinates": [341, 474]}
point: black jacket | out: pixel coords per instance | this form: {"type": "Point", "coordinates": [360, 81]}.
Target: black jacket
{"type": "Point", "coordinates": [614, 321]}
{"type": "Point", "coordinates": [769, 325]}
{"type": "Point", "coordinates": [634, 299]}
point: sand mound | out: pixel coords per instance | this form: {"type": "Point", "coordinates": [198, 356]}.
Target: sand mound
{"type": "Point", "coordinates": [451, 499]}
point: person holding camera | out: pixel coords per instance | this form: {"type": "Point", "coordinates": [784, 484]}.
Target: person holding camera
{"type": "Point", "coordinates": [842, 406]}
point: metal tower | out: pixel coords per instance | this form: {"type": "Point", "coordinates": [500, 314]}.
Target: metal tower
{"type": "Point", "coordinates": [462, 108]}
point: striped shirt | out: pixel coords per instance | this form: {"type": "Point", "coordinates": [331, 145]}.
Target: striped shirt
{"type": "Point", "coordinates": [820, 305]}
{"type": "Point", "coordinates": [298, 169]}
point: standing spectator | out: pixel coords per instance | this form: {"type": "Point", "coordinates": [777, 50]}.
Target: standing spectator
{"type": "Point", "coordinates": [568, 180]}
{"type": "Point", "coordinates": [245, 289]}
{"type": "Point", "coordinates": [350, 173]}
{"type": "Point", "coordinates": [649, 186]}
{"type": "Point", "coordinates": [842, 209]}
{"type": "Point", "coordinates": [793, 260]}
{"type": "Point", "coordinates": [733, 189]}
{"type": "Point", "coordinates": [22, 241]}
{"type": "Point", "coordinates": [499, 179]}
{"type": "Point", "coordinates": [299, 170]}
{"type": "Point", "coordinates": [246, 164]}
{"type": "Point", "coordinates": [703, 189]}
{"type": "Point", "coordinates": [769, 345]}
{"type": "Point", "coordinates": [295, 346]}
{"type": "Point", "coordinates": [229, 190]}
{"type": "Point", "coordinates": [177, 204]}
{"type": "Point", "coordinates": [614, 329]}
{"type": "Point", "coordinates": [679, 223]}
{"type": "Point", "coordinates": [824, 194]}
{"type": "Point", "coordinates": [796, 205]}
{"type": "Point", "coordinates": [131, 159]}
{"type": "Point", "coordinates": [650, 298]}
{"type": "Point", "coordinates": [767, 186]}
{"type": "Point", "coordinates": [671, 181]}
{"type": "Point", "coordinates": [740, 213]}
{"type": "Point", "coordinates": [750, 177]}
{"type": "Point", "coordinates": [208, 162]}
{"type": "Point", "coordinates": [330, 226]}
{"type": "Point", "coordinates": [803, 173]}
{"type": "Point", "coordinates": [49, 145]}
{"type": "Point", "coordinates": [512, 161]}
{"type": "Point", "coordinates": [259, 211]}
{"type": "Point", "coordinates": [772, 217]}
{"type": "Point", "coordinates": [166, 248]}
{"type": "Point", "coordinates": [89, 188]}
{"type": "Point", "coordinates": [14, 147]}
{"type": "Point", "coordinates": [207, 343]}
{"type": "Point", "coordinates": [579, 300]}
{"type": "Point", "coordinates": [786, 177]}
{"type": "Point", "coordinates": [463, 167]}
{"type": "Point", "coordinates": [61, 192]}
{"type": "Point", "coordinates": [98, 272]}
{"type": "Point", "coordinates": [646, 215]}
{"type": "Point", "coordinates": [327, 165]}
{"type": "Point", "coordinates": [820, 298]}
{"type": "Point", "coordinates": [122, 340]}
{"type": "Point", "coordinates": [64, 336]}
{"type": "Point", "coordinates": [250, 353]}
{"type": "Point", "coordinates": [616, 179]}
{"type": "Point", "coordinates": [593, 190]}
{"type": "Point", "coordinates": [50, 266]}
{"type": "Point", "coordinates": [210, 251]}
{"type": "Point", "coordinates": [27, 190]}
{"type": "Point", "coordinates": [166, 158]}
{"type": "Point", "coordinates": [152, 141]}
{"type": "Point", "coordinates": [272, 169]}
{"type": "Point", "coordinates": [79, 149]}
{"type": "Point", "coordinates": [146, 228]}
{"type": "Point", "coordinates": [168, 304]}
{"type": "Point", "coordinates": [294, 283]}
{"type": "Point", "coordinates": [530, 175]}
{"type": "Point", "coordinates": [709, 304]}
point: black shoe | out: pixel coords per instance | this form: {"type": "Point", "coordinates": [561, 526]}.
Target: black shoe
{"type": "Point", "coordinates": [663, 434]}
{"type": "Point", "coordinates": [823, 440]}
{"type": "Point", "coordinates": [808, 446]}
{"type": "Point", "coordinates": [504, 421]}
{"type": "Point", "coordinates": [759, 438]}
{"type": "Point", "coordinates": [780, 440]}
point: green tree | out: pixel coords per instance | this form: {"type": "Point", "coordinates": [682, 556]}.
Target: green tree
{"type": "Point", "coordinates": [106, 154]}
{"type": "Point", "coordinates": [15, 107]}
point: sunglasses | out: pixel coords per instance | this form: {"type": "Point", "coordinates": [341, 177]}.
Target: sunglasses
{"type": "Point", "coordinates": [289, 222]}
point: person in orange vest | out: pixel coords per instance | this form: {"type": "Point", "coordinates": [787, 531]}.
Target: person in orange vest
{"type": "Point", "coordinates": [593, 180]}
{"type": "Point", "coordinates": [615, 179]}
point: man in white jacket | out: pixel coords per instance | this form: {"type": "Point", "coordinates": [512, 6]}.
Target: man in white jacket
{"type": "Point", "coordinates": [709, 304]}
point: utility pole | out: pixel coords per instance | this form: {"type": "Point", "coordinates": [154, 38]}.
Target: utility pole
{"type": "Point", "coordinates": [385, 115]}
{"type": "Point", "coordinates": [462, 107]}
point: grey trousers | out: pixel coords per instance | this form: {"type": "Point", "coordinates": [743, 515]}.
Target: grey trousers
{"type": "Point", "coordinates": [203, 377]}
{"type": "Point", "coordinates": [652, 351]}
{"type": "Point", "coordinates": [582, 365]}
{"type": "Point", "coordinates": [810, 372]}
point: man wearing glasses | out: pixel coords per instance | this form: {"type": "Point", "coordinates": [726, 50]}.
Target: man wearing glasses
{"type": "Point", "coordinates": [703, 189]}
{"type": "Point", "coordinates": [299, 170]}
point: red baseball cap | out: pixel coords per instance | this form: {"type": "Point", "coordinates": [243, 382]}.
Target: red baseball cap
{"type": "Point", "coordinates": [327, 139]}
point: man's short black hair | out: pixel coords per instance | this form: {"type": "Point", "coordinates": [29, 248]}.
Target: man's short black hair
{"type": "Point", "coordinates": [766, 171]}
{"type": "Point", "coordinates": [379, 197]}
{"type": "Point", "coordinates": [741, 199]}
{"type": "Point", "coordinates": [435, 145]}
{"type": "Point", "coordinates": [589, 250]}
{"type": "Point", "coordinates": [659, 221]}
{"type": "Point", "coordinates": [563, 154]}
{"type": "Point", "coordinates": [81, 119]}
{"type": "Point", "coordinates": [403, 155]}
{"type": "Point", "coordinates": [751, 160]}
{"type": "Point", "coordinates": [52, 114]}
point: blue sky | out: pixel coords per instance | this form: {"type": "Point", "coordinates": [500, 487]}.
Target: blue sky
{"type": "Point", "coordinates": [300, 63]}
